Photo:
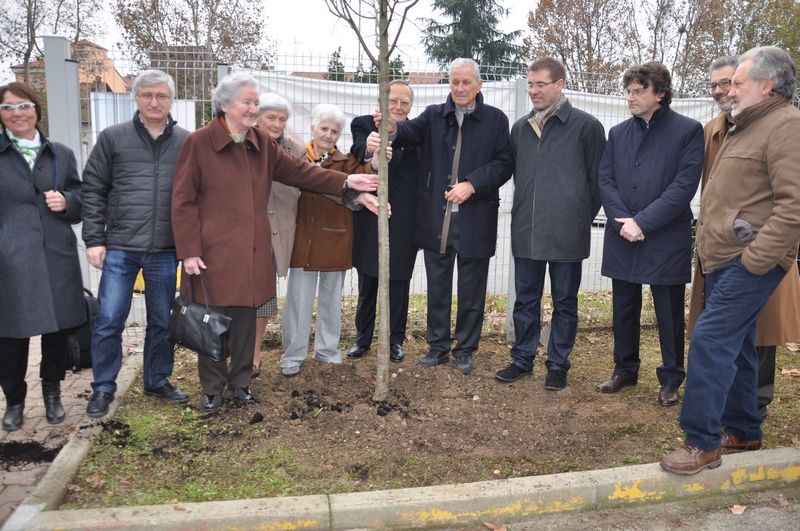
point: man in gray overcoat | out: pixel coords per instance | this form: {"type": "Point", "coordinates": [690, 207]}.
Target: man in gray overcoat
{"type": "Point", "coordinates": [557, 151]}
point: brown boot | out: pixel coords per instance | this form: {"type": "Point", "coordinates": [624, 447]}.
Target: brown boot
{"type": "Point", "coordinates": [732, 444]}
{"type": "Point", "coordinates": [690, 460]}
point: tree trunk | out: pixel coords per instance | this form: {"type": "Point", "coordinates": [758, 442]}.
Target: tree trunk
{"type": "Point", "coordinates": [382, 377]}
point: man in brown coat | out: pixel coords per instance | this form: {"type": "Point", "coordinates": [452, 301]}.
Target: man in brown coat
{"type": "Point", "coordinates": [747, 237]}
{"type": "Point", "coordinates": [780, 320]}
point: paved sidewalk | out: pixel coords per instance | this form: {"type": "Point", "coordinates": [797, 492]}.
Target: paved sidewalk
{"type": "Point", "coordinates": [19, 481]}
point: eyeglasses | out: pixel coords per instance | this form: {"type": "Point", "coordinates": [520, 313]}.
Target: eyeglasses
{"type": "Point", "coordinates": [724, 84]}
{"type": "Point", "coordinates": [160, 98]}
{"type": "Point", "coordinates": [24, 107]}
{"type": "Point", "coordinates": [540, 85]}
{"type": "Point", "coordinates": [404, 103]}
{"type": "Point", "coordinates": [637, 93]}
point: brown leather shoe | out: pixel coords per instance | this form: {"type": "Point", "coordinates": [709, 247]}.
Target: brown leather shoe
{"type": "Point", "coordinates": [668, 396]}
{"type": "Point", "coordinates": [690, 460]}
{"type": "Point", "coordinates": [615, 384]}
{"type": "Point", "coordinates": [732, 444]}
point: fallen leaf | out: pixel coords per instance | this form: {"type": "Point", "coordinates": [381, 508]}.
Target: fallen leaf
{"type": "Point", "coordinates": [790, 372]}
{"type": "Point", "coordinates": [495, 527]}
{"type": "Point", "coordinates": [738, 509]}
{"type": "Point", "coordinates": [795, 441]}
{"type": "Point", "coordinates": [179, 507]}
{"type": "Point", "coordinates": [110, 493]}
{"type": "Point", "coordinates": [784, 502]}
{"type": "Point", "coordinates": [792, 347]}
{"type": "Point", "coordinates": [96, 481]}
{"type": "Point", "coordinates": [172, 501]}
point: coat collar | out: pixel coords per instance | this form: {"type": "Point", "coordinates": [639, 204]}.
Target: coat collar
{"type": "Point", "coordinates": [759, 110]}
{"type": "Point", "coordinates": [5, 142]}
{"type": "Point", "coordinates": [562, 113]}
{"type": "Point", "coordinates": [220, 137]}
{"type": "Point", "coordinates": [449, 107]}
{"type": "Point", "coordinates": [167, 128]}
{"type": "Point", "coordinates": [659, 115]}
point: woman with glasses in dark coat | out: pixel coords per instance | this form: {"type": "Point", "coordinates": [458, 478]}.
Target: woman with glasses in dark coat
{"type": "Point", "coordinates": [41, 292]}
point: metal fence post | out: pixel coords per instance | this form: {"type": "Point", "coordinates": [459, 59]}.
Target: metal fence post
{"type": "Point", "coordinates": [520, 111]}
{"type": "Point", "coordinates": [64, 114]}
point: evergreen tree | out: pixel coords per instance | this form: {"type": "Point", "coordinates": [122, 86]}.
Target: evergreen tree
{"type": "Point", "coordinates": [472, 33]}
{"type": "Point", "coordinates": [335, 67]}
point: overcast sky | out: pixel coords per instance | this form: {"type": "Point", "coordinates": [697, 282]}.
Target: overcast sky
{"type": "Point", "coordinates": [317, 31]}
{"type": "Point", "coordinates": [306, 27]}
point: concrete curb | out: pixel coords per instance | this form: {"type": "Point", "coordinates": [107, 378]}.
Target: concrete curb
{"type": "Point", "coordinates": [50, 489]}
{"type": "Point", "coordinates": [504, 501]}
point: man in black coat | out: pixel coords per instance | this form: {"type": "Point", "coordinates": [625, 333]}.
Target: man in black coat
{"type": "Point", "coordinates": [127, 227]}
{"type": "Point", "coordinates": [404, 171]}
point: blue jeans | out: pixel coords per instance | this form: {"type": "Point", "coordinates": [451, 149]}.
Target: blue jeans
{"type": "Point", "coordinates": [116, 290]}
{"type": "Point", "coordinates": [721, 379]}
{"type": "Point", "coordinates": [565, 279]}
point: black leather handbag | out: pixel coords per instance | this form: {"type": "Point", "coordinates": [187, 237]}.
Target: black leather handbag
{"type": "Point", "coordinates": [199, 327]}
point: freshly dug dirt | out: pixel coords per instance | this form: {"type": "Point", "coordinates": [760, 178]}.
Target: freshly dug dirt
{"type": "Point", "coordinates": [320, 432]}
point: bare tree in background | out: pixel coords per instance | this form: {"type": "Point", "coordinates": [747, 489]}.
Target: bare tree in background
{"type": "Point", "coordinates": [382, 14]}
{"type": "Point", "coordinates": [586, 35]}
{"type": "Point", "coordinates": [24, 22]}
{"type": "Point", "coordinates": [228, 30]}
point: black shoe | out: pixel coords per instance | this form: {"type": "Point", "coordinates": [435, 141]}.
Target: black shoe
{"type": "Point", "coordinates": [512, 373]}
{"type": "Point", "coordinates": [210, 403]}
{"type": "Point", "coordinates": [464, 363]}
{"type": "Point", "coordinates": [397, 353]}
{"type": "Point", "coordinates": [357, 352]}
{"type": "Point", "coordinates": [51, 393]}
{"type": "Point", "coordinates": [98, 404]}
{"type": "Point", "coordinates": [169, 393]}
{"type": "Point", "coordinates": [763, 411]}
{"type": "Point", "coordinates": [12, 418]}
{"type": "Point", "coordinates": [555, 380]}
{"type": "Point", "coordinates": [434, 358]}
{"type": "Point", "coordinates": [244, 394]}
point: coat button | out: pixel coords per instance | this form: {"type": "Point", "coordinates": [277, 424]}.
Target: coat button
{"type": "Point", "coordinates": [636, 165]}
{"type": "Point", "coordinates": [633, 188]}
{"type": "Point", "coordinates": [274, 233]}
{"type": "Point", "coordinates": [271, 212]}
{"type": "Point", "coordinates": [439, 237]}
{"type": "Point", "coordinates": [705, 270]}
{"type": "Point", "coordinates": [701, 223]}
{"type": "Point", "coordinates": [633, 211]}
{"type": "Point", "coordinates": [444, 207]}
{"type": "Point", "coordinates": [454, 148]}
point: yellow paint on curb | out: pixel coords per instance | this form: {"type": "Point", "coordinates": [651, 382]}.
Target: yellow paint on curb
{"type": "Point", "coordinates": [278, 526]}
{"type": "Point", "coordinates": [634, 493]}
{"type": "Point", "coordinates": [522, 508]}
{"type": "Point", "coordinates": [694, 487]}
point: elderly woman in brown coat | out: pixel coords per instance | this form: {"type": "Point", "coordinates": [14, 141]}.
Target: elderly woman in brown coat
{"type": "Point", "coordinates": [322, 252]}
{"type": "Point", "coordinates": [222, 185]}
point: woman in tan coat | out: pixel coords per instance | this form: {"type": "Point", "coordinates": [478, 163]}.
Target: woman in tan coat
{"type": "Point", "coordinates": [222, 185]}
{"type": "Point", "coordinates": [273, 114]}
{"type": "Point", "coordinates": [323, 247]}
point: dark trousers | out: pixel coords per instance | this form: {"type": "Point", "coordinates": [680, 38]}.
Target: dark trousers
{"type": "Point", "coordinates": [14, 364]}
{"type": "Point", "coordinates": [669, 306]}
{"type": "Point", "coordinates": [472, 278]}
{"type": "Point", "coordinates": [766, 375]}
{"type": "Point", "coordinates": [236, 371]}
{"type": "Point", "coordinates": [367, 302]}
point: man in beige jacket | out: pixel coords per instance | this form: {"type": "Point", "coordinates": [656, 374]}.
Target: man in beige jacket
{"type": "Point", "coordinates": [747, 237]}
{"type": "Point", "coordinates": [780, 321]}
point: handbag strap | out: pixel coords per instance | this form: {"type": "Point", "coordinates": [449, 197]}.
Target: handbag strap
{"type": "Point", "coordinates": [206, 290]}
{"type": "Point", "coordinates": [55, 166]}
